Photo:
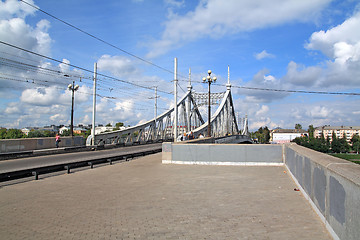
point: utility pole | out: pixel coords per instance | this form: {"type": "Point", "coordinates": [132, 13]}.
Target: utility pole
{"type": "Point", "coordinates": [94, 107]}
{"type": "Point", "coordinates": [188, 106]}
{"type": "Point", "coordinates": [155, 113]}
{"type": "Point", "coordinates": [175, 101]}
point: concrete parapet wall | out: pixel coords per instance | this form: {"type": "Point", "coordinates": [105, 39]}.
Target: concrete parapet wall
{"type": "Point", "coordinates": [28, 144]}
{"type": "Point", "coordinates": [222, 154]}
{"type": "Point", "coordinates": [332, 186]}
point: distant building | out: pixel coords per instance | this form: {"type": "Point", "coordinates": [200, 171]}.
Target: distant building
{"type": "Point", "coordinates": [25, 131]}
{"type": "Point", "coordinates": [51, 128]}
{"type": "Point", "coordinates": [76, 130]}
{"type": "Point", "coordinates": [340, 132]}
{"type": "Point", "coordinates": [101, 129]}
{"type": "Point", "coordinates": [280, 136]}
{"type": "Point", "coordinates": [64, 128]}
{"type": "Point", "coordinates": [79, 130]}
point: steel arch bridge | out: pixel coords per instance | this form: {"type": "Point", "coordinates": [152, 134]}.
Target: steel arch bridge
{"type": "Point", "coordinates": [223, 121]}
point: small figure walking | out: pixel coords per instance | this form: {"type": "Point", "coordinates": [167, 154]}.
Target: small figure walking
{"type": "Point", "coordinates": [57, 140]}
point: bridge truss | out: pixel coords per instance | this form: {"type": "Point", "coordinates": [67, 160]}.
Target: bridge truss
{"type": "Point", "coordinates": [223, 121]}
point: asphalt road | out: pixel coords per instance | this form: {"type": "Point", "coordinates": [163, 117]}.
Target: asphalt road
{"type": "Point", "coordinates": [48, 160]}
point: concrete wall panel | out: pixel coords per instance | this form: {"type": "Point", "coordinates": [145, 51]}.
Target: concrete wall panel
{"type": "Point", "coordinates": [28, 144]}
{"type": "Point", "coordinates": [226, 153]}
{"type": "Point", "coordinates": [333, 189]}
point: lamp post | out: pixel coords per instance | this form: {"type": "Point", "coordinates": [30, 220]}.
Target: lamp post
{"type": "Point", "coordinates": [209, 80]}
{"type": "Point", "coordinates": [72, 87]}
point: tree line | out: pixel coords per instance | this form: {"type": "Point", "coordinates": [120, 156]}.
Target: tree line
{"type": "Point", "coordinates": [14, 133]}
{"type": "Point", "coordinates": [322, 144]}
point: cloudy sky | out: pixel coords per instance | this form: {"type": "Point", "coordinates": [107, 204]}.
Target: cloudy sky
{"type": "Point", "coordinates": [291, 45]}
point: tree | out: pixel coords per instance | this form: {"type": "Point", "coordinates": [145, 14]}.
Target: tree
{"type": "Point", "coordinates": [311, 131]}
{"type": "Point", "coordinates": [262, 134]}
{"type": "Point", "coordinates": [266, 135]}
{"type": "Point", "coordinates": [108, 125]}
{"type": "Point", "coordinates": [355, 143]}
{"type": "Point", "coordinates": [35, 134]}
{"type": "Point", "coordinates": [335, 145]}
{"type": "Point", "coordinates": [118, 125]}
{"type": "Point", "coordinates": [3, 133]}
{"type": "Point", "coordinates": [298, 126]}
{"type": "Point", "coordinates": [66, 133]}
{"type": "Point", "coordinates": [344, 145]}
{"type": "Point", "coordinates": [14, 133]}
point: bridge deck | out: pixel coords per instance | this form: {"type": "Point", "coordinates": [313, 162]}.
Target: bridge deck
{"type": "Point", "coordinates": [143, 199]}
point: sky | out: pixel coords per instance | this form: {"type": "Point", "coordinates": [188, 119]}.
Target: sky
{"type": "Point", "coordinates": [289, 45]}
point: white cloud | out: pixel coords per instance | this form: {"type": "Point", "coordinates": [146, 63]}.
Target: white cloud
{"type": "Point", "coordinates": [319, 112]}
{"type": "Point", "coordinates": [263, 111]}
{"type": "Point", "coordinates": [299, 75]}
{"type": "Point", "coordinates": [40, 96]}
{"type": "Point", "coordinates": [64, 66]}
{"type": "Point", "coordinates": [18, 33]}
{"type": "Point", "coordinates": [9, 8]}
{"type": "Point", "coordinates": [215, 18]}
{"type": "Point", "coordinates": [13, 108]}
{"type": "Point", "coordinates": [263, 54]}
{"type": "Point", "coordinates": [341, 44]}
{"type": "Point", "coordinates": [117, 65]}
{"type": "Point", "coordinates": [346, 32]}
{"type": "Point", "coordinates": [265, 81]}
{"type": "Point", "coordinates": [174, 3]}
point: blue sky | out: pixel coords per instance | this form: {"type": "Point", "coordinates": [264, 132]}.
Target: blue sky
{"type": "Point", "coordinates": [308, 45]}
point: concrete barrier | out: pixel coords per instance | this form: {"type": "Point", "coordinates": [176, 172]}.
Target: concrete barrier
{"type": "Point", "coordinates": [26, 144]}
{"type": "Point", "coordinates": [330, 184]}
{"type": "Point", "coordinates": [222, 154]}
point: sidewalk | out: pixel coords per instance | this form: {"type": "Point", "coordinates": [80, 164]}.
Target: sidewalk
{"type": "Point", "coordinates": [144, 199]}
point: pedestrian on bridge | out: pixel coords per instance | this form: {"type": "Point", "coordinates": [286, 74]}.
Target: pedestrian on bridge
{"type": "Point", "coordinates": [57, 140]}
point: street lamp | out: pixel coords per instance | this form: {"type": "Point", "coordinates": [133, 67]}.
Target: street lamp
{"type": "Point", "coordinates": [72, 87]}
{"type": "Point", "coordinates": [209, 80]}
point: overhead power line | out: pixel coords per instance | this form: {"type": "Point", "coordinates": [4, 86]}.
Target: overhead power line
{"type": "Point", "coordinates": [81, 68]}
{"type": "Point", "coordinates": [297, 91]}
{"type": "Point", "coordinates": [99, 39]}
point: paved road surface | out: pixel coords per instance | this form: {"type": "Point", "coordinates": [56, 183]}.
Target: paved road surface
{"type": "Point", "coordinates": [31, 162]}
{"type": "Point", "coordinates": [144, 199]}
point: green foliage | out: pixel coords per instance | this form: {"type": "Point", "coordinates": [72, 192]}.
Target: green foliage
{"type": "Point", "coordinates": [65, 133]}
{"type": "Point", "coordinates": [108, 125]}
{"type": "Point", "coordinates": [323, 145]}
{"type": "Point", "coordinates": [339, 145]}
{"type": "Point", "coordinates": [3, 133]}
{"type": "Point", "coordinates": [118, 125]}
{"type": "Point", "coordinates": [355, 158]}
{"type": "Point", "coordinates": [311, 130]}
{"type": "Point", "coordinates": [11, 133]}
{"type": "Point", "coordinates": [298, 126]}
{"type": "Point", "coordinates": [262, 135]}
{"type": "Point", "coordinates": [355, 142]}
{"type": "Point", "coordinates": [39, 134]}
{"type": "Point", "coordinates": [347, 156]}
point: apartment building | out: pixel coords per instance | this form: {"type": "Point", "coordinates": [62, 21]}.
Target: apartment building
{"type": "Point", "coordinates": [340, 132]}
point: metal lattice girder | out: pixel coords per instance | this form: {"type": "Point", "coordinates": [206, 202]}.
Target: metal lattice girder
{"type": "Point", "coordinates": [224, 116]}
{"type": "Point", "coordinates": [161, 129]}
{"type": "Point", "coordinates": [202, 99]}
